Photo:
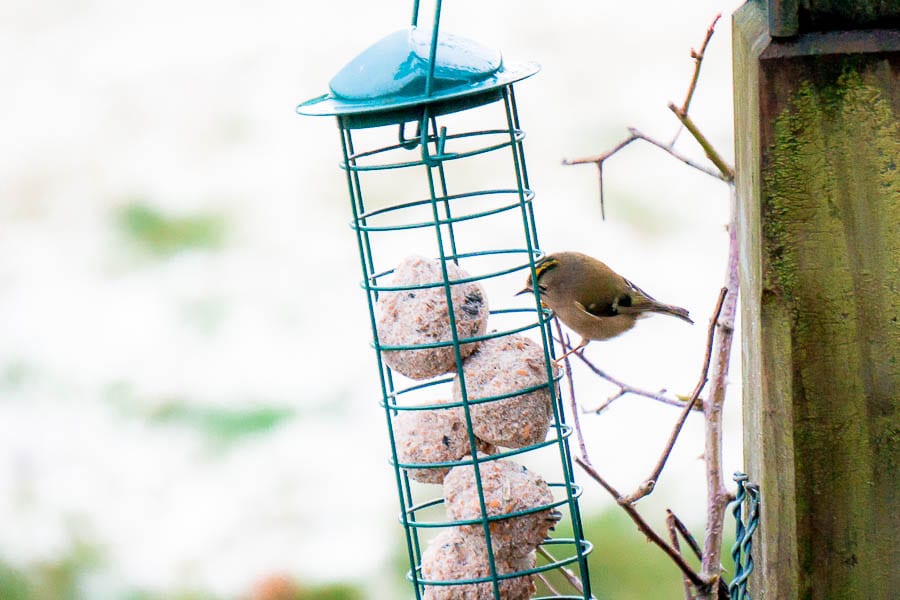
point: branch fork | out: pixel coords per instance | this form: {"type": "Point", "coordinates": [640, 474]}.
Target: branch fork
{"type": "Point", "coordinates": [705, 584]}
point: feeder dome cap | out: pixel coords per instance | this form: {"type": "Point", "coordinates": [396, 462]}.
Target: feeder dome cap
{"type": "Point", "coordinates": [393, 73]}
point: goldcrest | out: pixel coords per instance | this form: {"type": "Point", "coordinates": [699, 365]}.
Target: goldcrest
{"type": "Point", "coordinates": [592, 299]}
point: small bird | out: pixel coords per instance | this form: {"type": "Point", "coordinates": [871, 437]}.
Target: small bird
{"type": "Point", "coordinates": [592, 299]}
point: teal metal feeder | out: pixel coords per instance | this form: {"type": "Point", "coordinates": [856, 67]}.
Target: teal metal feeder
{"type": "Point", "coordinates": [453, 187]}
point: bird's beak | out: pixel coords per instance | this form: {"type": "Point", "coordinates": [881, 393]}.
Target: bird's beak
{"type": "Point", "coordinates": [527, 290]}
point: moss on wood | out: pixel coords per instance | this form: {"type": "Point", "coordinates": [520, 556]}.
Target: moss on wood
{"type": "Point", "coordinates": [831, 258]}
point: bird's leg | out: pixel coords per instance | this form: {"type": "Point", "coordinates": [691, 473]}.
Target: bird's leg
{"type": "Point", "coordinates": [584, 342]}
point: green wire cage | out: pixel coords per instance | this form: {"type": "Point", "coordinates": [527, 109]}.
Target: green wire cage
{"type": "Point", "coordinates": [465, 203]}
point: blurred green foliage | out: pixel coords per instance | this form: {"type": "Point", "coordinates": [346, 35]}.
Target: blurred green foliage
{"type": "Point", "coordinates": [163, 235]}
{"type": "Point", "coordinates": [222, 424]}
{"type": "Point", "coordinates": [624, 566]}
{"type": "Point", "coordinates": [181, 595]}
{"type": "Point", "coordinates": [13, 584]}
{"type": "Point", "coordinates": [61, 579]}
{"type": "Point", "coordinates": [15, 373]}
{"type": "Point", "coordinates": [65, 580]}
{"type": "Point", "coordinates": [330, 592]}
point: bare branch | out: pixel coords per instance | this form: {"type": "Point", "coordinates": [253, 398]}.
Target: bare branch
{"type": "Point", "coordinates": [724, 168]}
{"type": "Point", "coordinates": [644, 527]}
{"type": "Point", "coordinates": [569, 575]}
{"type": "Point", "coordinates": [648, 485]}
{"type": "Point", "coordinates": [599, 160]}
{"type": "Point", "coordinates": [625, 388]}
{"type": "Point", "coordinates": [698, 60]}
{"type": "Point", "coordinates": [600, 184]}
{"type": "Point", "coordinates": [548, 585]}
{"type": "Point", "coordinates": [684, 531]}
{"type": "Point", "coordinates": [634, 135]}
{"type": "Point", "coordinates": [707, 582]}
{"type": "Point", "coordinates": [673, 520]}
{"type": "Point", "coordinates": [601, 157]}
{"type": "Point", "coordinates": [576, 418]}
{"type": "Point", "coordinates": [622, 391]}
{"type": "Point", "coordinates": [725, 172]}
{"type": "Point", "coordinates": [717, 496]}
{"type": "Point", "coordinates": [673, 539]}
{"type": "Point", "coordinates": [676, 154]}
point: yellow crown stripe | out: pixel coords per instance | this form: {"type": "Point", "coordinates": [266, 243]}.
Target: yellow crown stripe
{"type": "Point", "coordinates": [545, 265]}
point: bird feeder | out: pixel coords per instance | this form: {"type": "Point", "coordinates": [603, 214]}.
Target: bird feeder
{"type": "Point", "coordinates": [442, 212]}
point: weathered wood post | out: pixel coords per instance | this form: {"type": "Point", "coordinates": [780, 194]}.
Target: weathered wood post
{"type": "Point", "coordinates": [817, 117]}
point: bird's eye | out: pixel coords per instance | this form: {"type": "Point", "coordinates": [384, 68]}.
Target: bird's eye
{"type": "Point", "coordinates": [542, 289]}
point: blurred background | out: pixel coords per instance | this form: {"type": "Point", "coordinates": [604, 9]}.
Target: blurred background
{"type": "Point", "coordinates": [188, 398]}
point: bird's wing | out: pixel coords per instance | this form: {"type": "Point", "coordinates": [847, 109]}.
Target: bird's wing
{"type": "Point", "coordinates": [597, 310]}
{"type": "Point", "coordinates": [637, 293]}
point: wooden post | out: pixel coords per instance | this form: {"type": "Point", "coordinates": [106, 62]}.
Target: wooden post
{"type": "Point", "coordinates": [817, 118]}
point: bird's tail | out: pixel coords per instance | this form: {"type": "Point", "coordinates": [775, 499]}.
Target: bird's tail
{"type": "Point", "coordinates": [648, 305]}
{"type": "Point", "coordinates": [642, 302]}
{"type": "Point", "coordinates": [668, 309]}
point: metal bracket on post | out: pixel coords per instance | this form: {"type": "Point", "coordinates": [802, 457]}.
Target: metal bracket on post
{"type": "Point", "coordinates": [744, 529]}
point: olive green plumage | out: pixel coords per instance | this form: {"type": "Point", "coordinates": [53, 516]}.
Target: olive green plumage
{"type": "Point", "coordinates": [592, 299]}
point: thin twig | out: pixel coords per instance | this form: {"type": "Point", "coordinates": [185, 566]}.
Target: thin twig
{"type": "Point", "coordinates": [711, 153]}
{"type": "Point", "coordinates": [569, 575]}
{"type": "Point", "coordinates": [622, 392]}
{"type": "Point", "coordinates": [573, 403]}
{"type": "Point", "coordinates": [647, 486]}
{"type": "Point", "coordinates": [547, 585]}
{"type": "Point", "coordinates": [600, 184]}
{"type": "Point", "coordinates": [673, 539]}
{"type": "Point", "coordinates": [685, 532]}
{"type": "Point", "coordinates": [634, 135]}
{"type": "Point", "coordinates": [672, 521]}
{"type": "Point", "coordinates": [698, 60]}
{"type": "Point", "coordinates": [676, 154]}
{"type": "Point", "coordinates": [598, 160]}
{"type": "Point", "coordinates": [644, 527]}
{"type": "Point", "coordinates": [601, 157]}
{"type": "Point", "coordinates": [692, 542]}
{"type": "Point", "coordinates": [625, 388]}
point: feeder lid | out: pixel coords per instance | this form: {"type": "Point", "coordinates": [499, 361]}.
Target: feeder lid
{"type": "Point", "coordinates": [392, 73]}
